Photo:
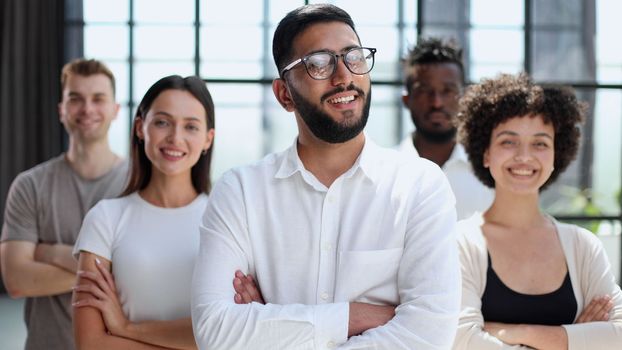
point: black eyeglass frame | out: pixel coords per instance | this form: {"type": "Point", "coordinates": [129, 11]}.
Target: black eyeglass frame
{"type": "Point", "coordinates": [304, 60]}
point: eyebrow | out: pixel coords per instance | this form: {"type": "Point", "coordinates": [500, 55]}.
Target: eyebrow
{"type": "Point", "coordinates": [75, 93]}
{"type": "Point", "coordinates": [166, 114]}
{"type": "Point", "coordinates": [512, 133]}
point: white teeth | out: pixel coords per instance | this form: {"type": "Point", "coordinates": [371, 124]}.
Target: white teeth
{"type": "Point", "coordinates": [523, 172]}
{"type": "Point", "coordinates": [344, 99]}
{"type": "Point", "coordinates": [173, 153]}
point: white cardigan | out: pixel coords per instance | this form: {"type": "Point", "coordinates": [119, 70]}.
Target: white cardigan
{"type": "Point", "coordinates": [590, 274]}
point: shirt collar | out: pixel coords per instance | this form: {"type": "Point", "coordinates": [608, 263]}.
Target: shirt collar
{"type": "Point", "coordinates": [367, 161]}
{"type": "Point", "coordinates": [291, 163]}
{"type": "Point", "coordinates": [458, 155]}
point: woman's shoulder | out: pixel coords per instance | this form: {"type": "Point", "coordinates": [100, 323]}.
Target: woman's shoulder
{"type": "Point", "coordinates": [470, 229]}
{"type": "Point", "coordinates": [471, 241]}
{"type": "Point", "coordinates": [576, 236]}
{"type": "Point", "coordinates": [114, 206]}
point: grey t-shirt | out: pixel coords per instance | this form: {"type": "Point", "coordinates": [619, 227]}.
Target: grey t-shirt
{"type": "Point", "coordinates": [47, 204]}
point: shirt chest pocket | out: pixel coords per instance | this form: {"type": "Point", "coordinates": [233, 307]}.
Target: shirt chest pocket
{"type": "Point", "coordinates": [368, 276]}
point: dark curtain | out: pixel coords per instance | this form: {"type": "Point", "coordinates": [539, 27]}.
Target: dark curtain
{"type": "Point", "coordinates": [32, 52]}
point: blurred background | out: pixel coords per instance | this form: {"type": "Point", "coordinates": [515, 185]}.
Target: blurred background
{"type": "Point", "coordinates": [228, 44]}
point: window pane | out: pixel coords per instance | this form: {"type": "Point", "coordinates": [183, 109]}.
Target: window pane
{"type": "Point", "coordinates": [106, 41]}
{"type": "Point", "coordinates": [410, 11]}
{"type": "Point", "coordinates": [385, 39]}
{"type": "Point", "coordinates": [361, 14]}
{"type": "Point", "coordinates": [563, 41]}
{"type": "Point", "coordinates": [164, 11]}
{"type": "Point", "coordinates": [448, 12]}
{"type": "Point", "coordinates": [507, 13]}
{"type": "Point", "coordinates": [382, 126]}
{"type": "Point", "coordinates": [599, 162]}
{"type": "Point", "coordinates": [119, 132]}
{"type": "Point", "coordinates": [608, 29]}
{"type": "Point", "coordinates": [220, 59]}
{"type": "Point", "coordinates": [120, 71]}
{"type": "Point", "coordinates": [558, 12]}
{"type": "Point", "coordinates": [495, 51]}
{"type": "Point", "coordinates": [607, 151]}
{"type": "Point", "coordinates": [279, 8]}
{"type": "Point", "coordinates": [239, 126]}
{"type": "Point", "coordinates": [219, 12]}
{"type": "Point", "coordinates": [164, 42]}
{"type": "Point", "coordinates": [562, 56]}
{"type": "Point", "coordinates": [106, 11]}
{"type": "Point", "coordinates": [147, 73]}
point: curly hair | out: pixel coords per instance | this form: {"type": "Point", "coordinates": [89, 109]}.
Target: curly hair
{"type": "Point", "coordinates": [494, 101]}
{"type": "Point", "coordinates": [432, 50]}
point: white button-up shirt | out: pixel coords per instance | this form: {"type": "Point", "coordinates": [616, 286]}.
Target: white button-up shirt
{"type": "Point", "coordinates": [382, 233]}
{"type": "Point", "coordinates": [471, 194]}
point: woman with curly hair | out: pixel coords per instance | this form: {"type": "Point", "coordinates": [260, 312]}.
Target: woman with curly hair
{"type": "Point", "coordinates": [529, 281]}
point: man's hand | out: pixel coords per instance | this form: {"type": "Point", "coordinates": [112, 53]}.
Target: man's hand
{"type": "Point", "coordinates": [597, 310]}
{"type": "Point", "coordinates": [246, 289]}
{"type": "Point", "coordinates": [367, 316]}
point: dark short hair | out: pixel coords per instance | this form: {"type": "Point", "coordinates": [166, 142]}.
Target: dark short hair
{"type": "Point", "coordinates": [494, 101]}
{"type": "Point", "coordinates": [432, 50]}
{"type": "Point", "coordinates": [140, 165]}
{"type": "Point", "coordinates": [86, 67]}
{"type": "Point", "coordinates": [296, 21]}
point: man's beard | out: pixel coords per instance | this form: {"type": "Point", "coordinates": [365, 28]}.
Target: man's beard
{"type": "Point", "coordinates": [323, 126]}
{"type": "Point", "coordinates": [434, 136]}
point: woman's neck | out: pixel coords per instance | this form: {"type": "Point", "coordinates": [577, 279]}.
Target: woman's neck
{"type": "Point", "coordinates": [169, 191]}
{"type": "Point", "coordinates": [516, 211]}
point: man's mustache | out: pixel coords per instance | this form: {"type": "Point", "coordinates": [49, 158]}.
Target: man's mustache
{"type": "Point", "coordinates": [339, 89]}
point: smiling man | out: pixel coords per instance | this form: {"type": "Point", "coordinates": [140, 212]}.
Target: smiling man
{"type": "Point", "coordinates": [350, 245]}
{"type": "Point", "coordinates": [46, 204]}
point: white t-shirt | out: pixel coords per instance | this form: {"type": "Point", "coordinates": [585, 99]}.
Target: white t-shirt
{"type": "Point", "coordinates": [382, 233]}
{"type": "Point", "coordinates": [152, 250]}
{"type": "Point", "coordinates": [471, 194]}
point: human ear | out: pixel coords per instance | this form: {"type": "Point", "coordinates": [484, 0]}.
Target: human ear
{"type": "Point", "coordinates": [210, 139]}
{"type": "Point", "coordinates": [279, 87]}
{"type": "Point", "coordinates": [138, 126]}
{"type": "Point", "coordinates": [486, 162]}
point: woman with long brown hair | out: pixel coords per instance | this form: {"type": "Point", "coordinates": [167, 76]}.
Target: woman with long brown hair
{"type": "Point", "coordinates": [137, 252]}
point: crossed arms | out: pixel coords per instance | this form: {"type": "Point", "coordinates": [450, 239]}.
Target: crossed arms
{"type": "Point", "coordinates": [427, 286]}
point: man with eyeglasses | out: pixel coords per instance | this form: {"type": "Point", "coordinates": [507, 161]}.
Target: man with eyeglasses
{"type": "Point", "coordinates": [335, 242]}
{"type": "Point", "coordinates": [434, 79]}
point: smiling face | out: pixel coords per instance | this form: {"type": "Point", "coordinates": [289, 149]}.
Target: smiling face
{"type": "Point", "coordinates": [334, 110]}
{"type": "Point", "coordinates": [88, 107]}
{"type": "Point", "coordinates": [174, 132]}
{"type": "Point", "coordinates": [521, 154]}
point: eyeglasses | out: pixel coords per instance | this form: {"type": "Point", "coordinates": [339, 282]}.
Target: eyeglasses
{"type": "Point", "coordinates": [322, 65]}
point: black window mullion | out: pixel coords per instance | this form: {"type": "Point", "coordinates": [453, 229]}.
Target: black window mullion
{"type": "Point", "coordinates": [197, 37]}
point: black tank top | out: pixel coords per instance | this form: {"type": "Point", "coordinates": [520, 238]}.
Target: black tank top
{"type": "Point", "coordinates": [502, 304]}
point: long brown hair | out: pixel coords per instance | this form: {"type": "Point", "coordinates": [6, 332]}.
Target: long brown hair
{"type": "Point", "coordinates": [140, 165]}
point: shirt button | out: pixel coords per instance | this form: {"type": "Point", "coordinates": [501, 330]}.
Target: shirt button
{"type": "Point", "coordinates": [324, 295]}
{"type": "Point", "coordinates": [327, 246]}
{"type": "Point", "coordinates": [330, 344]}
{"type": "Point", "coordinates": [330, 199]}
